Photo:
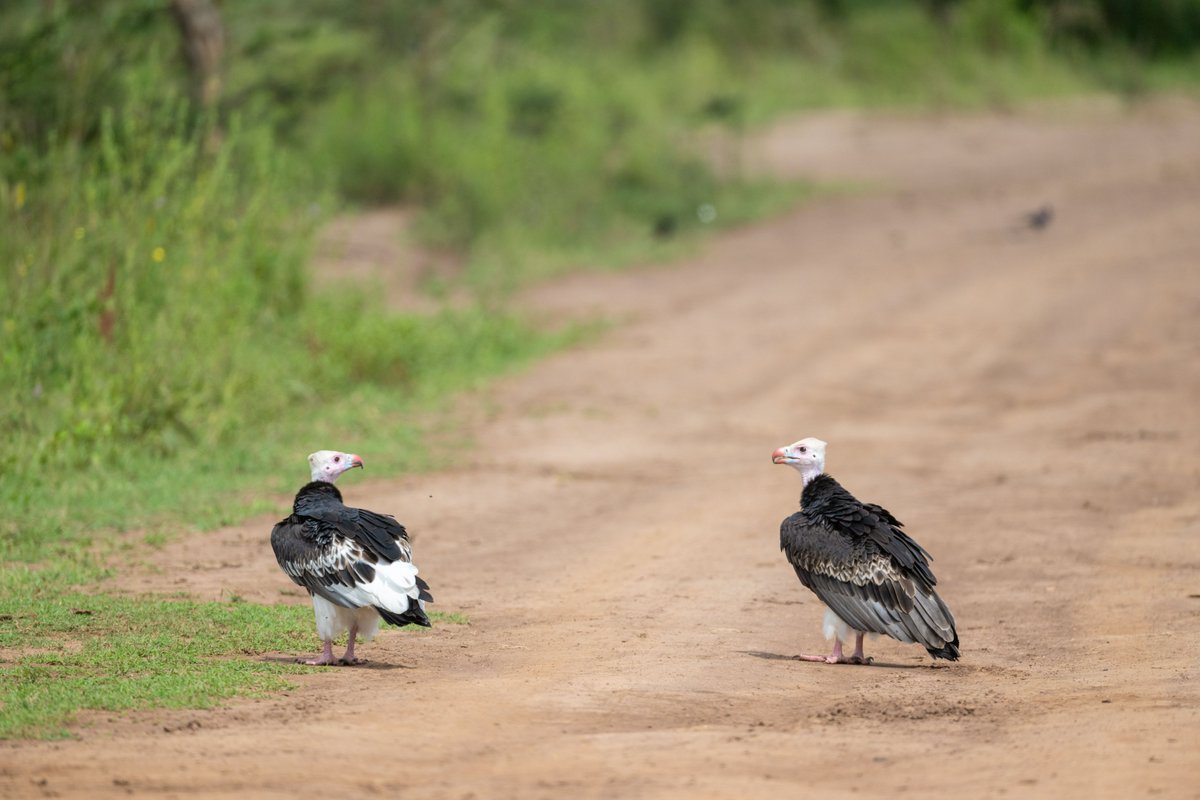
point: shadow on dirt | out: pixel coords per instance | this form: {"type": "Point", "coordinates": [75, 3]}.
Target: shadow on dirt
{"type": "Point", "coordinates": [781, 657]}
{"type": "Point", "coordinates": [362, 664]}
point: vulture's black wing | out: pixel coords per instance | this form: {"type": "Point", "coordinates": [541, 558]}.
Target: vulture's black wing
{"type": "Point", "coordinates": [317, 557]}
{"type": "Point", "coordinates": [859, 562]}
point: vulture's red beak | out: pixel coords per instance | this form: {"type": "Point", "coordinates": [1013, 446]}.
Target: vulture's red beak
{"type": "Point", "coordinates": [355, 461]}
{"type": "Point", "coordinates": [779, 456]}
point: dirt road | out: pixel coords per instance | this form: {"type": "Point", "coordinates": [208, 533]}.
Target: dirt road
{"type": "Point", "coordinates": [1028, 402]}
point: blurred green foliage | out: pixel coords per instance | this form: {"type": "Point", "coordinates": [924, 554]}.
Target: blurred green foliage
{"type": "Point", "coordinates": [1152, 27]}
{"type": "Point", "coordinates": [155, 312]}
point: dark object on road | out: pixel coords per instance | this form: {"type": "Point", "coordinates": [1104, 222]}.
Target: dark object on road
{"type": "Point", "coordinates": [1041, 218]}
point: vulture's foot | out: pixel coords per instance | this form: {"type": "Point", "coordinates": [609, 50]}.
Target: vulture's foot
{"type": "Point", "coordinates": [350, 662]}
{"type": "Point", "coordinates": [324, 660]}
{"type": "Point", "coordinates": [836, 656]}
{"type": "Point", "coordinates": [320, 661]}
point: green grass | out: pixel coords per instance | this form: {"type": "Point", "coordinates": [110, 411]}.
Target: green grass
{"type": "Point", "coordinates": [533, 164]}
{"type": "Point", "coordinates": [54, 507]}
{"type": "Point", "coordinates": [62, 652]}
{"type": "Point", "coordinates": [158, 339]}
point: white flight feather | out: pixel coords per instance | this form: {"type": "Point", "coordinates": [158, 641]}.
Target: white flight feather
{"type": "Point", "coordinates": [394, 588]}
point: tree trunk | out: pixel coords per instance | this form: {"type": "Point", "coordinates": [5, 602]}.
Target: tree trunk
{"type": "Point", "coordinates": [203, 45]}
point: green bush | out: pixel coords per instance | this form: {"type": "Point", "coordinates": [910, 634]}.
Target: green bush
{"type": "Point", "coordinates": [1156, 28]}
{"type": "Point", "coordinates": [139, 270]}
{"type": "Point", "coordinates": [61, 67]}
{"type": "Point", "coordinates": [154, 306]}
{"type": "Point", "coordinates": [155, 315]}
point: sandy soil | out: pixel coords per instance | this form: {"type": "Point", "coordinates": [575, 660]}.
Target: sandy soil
{"type": "Point", "coordinates": [1028, 402]}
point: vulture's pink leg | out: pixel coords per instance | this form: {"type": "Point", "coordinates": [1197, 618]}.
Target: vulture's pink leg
{"type": "Point", "coordinates": [858, 657]}
{"type": "Point", "coordinates": [349, 660]}
{"type": "Point", "coordinates": [836, 656]}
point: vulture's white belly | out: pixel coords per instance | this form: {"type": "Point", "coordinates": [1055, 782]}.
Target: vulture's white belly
{"type": "Point", "coordinates": [836, 626]}
{"type": "Point", "coordinates": [333, 621]}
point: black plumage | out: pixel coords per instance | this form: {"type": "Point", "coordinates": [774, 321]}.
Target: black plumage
{"type": "Point", "coordinates": [857, 559]}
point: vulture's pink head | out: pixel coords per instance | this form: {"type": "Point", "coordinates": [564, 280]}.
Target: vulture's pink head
{"type": "Point", "coordinates": [806, 456]}
{"type": "Point", "coordinates": [326, 465]}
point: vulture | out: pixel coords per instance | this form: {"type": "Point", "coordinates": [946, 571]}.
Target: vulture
{"type": "Point", "coordinates": [871, 576]}
{"type": "Point", "coordinates": [356, 564]}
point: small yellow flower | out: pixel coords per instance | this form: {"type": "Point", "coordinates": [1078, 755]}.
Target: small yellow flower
{"type": "Point", "coordinates": [9, 326]}
{"type": "Point", "coordinates": [158, 255]}
{"type": "Point", "coordinates": [79, 232]}
{"type": "Point", "coordinates": [19, 195]}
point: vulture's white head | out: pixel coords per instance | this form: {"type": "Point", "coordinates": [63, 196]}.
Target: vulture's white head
{"type": "Point", "coordinates": [806, 456]}
{"type": "Point", "coordinates": [326, 465]}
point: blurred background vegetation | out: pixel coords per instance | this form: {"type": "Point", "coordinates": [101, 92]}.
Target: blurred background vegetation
{"type": "Point", "coordinates": [165, 163]}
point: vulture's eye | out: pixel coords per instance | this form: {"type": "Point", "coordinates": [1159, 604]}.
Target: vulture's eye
{"type": "Point", "coordinates": [337, 459]}
{"type": "Point", "coordinates": [803, 449]}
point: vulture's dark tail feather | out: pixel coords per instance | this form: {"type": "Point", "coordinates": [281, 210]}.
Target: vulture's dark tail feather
{"type": "Point", "coordinates": [423, 587]}
{"type": "Point", "coordinates": [413, 616]}
{"type": "Point", "coordinates": [948, 652]}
